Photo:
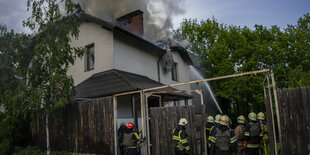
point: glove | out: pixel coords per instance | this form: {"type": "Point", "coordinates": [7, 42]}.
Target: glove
{"type": "Point", "coordinates": [245, 143]}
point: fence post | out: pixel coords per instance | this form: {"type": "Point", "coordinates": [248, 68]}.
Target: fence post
{"type": "Point", "coordinates": [277, 106]}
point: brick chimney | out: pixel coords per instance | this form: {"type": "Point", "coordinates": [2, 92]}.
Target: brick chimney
{"type": "Point", "coordinates": [132, 22]}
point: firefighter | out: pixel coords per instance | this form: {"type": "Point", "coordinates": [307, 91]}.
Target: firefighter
{"type": "Point", "coordinates": [209, 125]}
{"type": "Point", "coordinates": [223, 139]}
{"type": "Point", "coordinates": [264, 128]}
{"type": "Point", "coordinates": [239, 132]}
{"type": "Point", "coordinates": [253, 135]}
{"type": "Point", "coordinates": [216, 125]}
{"type": "Point", "coordinates": [120, 133]}
{"type": "Point", "coordinates": [179, 138]}
{"type": "Point", "coordinates": [131, 139]}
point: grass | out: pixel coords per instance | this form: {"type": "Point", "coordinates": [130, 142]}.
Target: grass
{"type": "Point", "coordinates": [34, 150]}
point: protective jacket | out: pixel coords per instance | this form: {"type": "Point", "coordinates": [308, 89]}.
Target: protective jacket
{"type": "Point", "coordinates": [208, 128]}
{"type": "Point", "coordinates": [130, 139]}
{"type": "Point", "coordinates": [264, 129]}
{"type": "Point", "coordinates": [180, 138]}
{"type": "Point", "coordinates": [216, 125]}
{"type": "Point", "coordinates": [223, 139]}
{"type": "Point", "coordinates": [253, 134]}
{"type": "Point", "coordinates": [239, 132]}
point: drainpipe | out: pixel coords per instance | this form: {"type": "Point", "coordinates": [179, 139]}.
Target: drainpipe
{"type": "Point", "coordinates": [158, 67]}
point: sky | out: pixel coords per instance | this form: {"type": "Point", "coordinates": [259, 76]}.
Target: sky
{"type": "Point", "coordinates": [231, 12]}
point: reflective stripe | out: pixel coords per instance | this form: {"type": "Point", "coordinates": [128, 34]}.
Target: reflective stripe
{"type": "Point", "coordinates": [233, 141]}
{"type": "Point", "coordinates": [186, 148]}
{"type": "Point", "coordinates": [137, 136]}
{"type": "Point", "coordinates": [247, 134]}
{"type": "Point", "coordinates": [184, 141]}
{"type": "Point", "coordinates": [253, 146]}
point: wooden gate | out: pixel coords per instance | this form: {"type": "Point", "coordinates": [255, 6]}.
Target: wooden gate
{"type": "Point", "coordinates": [163, 121]}
{"type": "Point", "coordinates": [294, 107]}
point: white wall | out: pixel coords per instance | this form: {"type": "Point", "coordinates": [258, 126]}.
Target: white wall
{"type": "Point", "coordinates": [103, 44]}
{"type": "Point", "coordinates": [129, 58]}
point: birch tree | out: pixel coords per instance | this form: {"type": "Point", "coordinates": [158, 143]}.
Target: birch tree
{"type": "Point", "coordinates": [48, 86]}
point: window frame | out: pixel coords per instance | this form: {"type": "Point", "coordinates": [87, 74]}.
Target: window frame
{"type": "Point", "coordinates": [86, 58]}
{"type": "Point", "coordinates": [175, 69]}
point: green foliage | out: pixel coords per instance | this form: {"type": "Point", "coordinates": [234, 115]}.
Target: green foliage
{"type": "Point", "coordinates": [226, 49]}
{"type": "Point", "coordinates": [48, 86]}
{"type": "Point", "coordinates": [13, 57]}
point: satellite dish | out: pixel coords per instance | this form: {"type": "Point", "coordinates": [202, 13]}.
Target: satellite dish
{"type": "Point", "coordinates": [168, 61]}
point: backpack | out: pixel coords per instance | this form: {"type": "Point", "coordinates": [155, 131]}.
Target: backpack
{"type": "Point", "coordinates": [222, 139]}
{"type": "Point", "coordinates": [255, 129]}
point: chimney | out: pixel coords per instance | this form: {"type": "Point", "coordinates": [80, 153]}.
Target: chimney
{"type": "Point", "coordinates": [132, 22]}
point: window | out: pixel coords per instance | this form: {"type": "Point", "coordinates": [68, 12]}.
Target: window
{"type": "Point", "coordinates": [89, 58]}
{"type": "Point", "coordinates": [174, 72]}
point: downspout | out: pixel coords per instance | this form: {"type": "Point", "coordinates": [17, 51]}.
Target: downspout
{"type": "Point", "coordinates": [158, 67]}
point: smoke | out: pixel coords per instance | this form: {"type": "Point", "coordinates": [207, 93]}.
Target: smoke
{"type": "Point", "coordinates": [158, 14]}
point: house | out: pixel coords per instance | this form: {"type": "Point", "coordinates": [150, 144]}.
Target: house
{"type": "Point", "coordinates": [120, 59]}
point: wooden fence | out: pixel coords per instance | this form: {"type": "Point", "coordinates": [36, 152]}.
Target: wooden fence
{"type": "Point", "coordinates": [85, 127]}
{"type": "Point", "coordinates": [163, 121]}
{"type": "Point", "coordinates": [294, 109]}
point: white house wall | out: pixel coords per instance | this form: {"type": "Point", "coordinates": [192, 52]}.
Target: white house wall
{"type": "Point", "coordinates": [129, 58]}
{"type": "Point", "coordinates": [103, 44]}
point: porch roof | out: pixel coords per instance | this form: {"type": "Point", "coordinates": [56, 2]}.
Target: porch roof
{"type": "Point", "coordinates": [116, 81]}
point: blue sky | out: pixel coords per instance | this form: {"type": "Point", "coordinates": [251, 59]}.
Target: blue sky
{"type": "Point", "coordinates": [235, 12]}
{"type": "Point", "coordinates": [247, 12]}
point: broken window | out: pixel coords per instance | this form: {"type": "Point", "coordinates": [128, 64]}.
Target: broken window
{"type": "Point", "coordinates": [174, 72]}
{"type": "Point", "coordinates": [90, 57]}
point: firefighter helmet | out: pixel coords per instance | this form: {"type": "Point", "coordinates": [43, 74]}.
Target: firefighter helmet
{"type": "Point", "coordinates": [130, 125]}
{"type": "Point", "coordinates": [252, 116]}
{"type": "Point", "coordinates": [123, 124]}
{"type": "Point", "coordinates": [210, 119]}
{"type": "Point", "coordinates": [241, 119]}
{"type": "Point", "coordinates": [224, 120]}
{"type": "Point", "coordinates": [218, 118]}
{"type": "Point", "coordinates": [183, 121]}
{"type": "Point", "coordinates": [261, 116]}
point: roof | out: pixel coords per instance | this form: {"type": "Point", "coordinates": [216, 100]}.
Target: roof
{"type": "Point", "coordinates": [82, 16]}
{"type": "Point", "coordinates": [115, 81]}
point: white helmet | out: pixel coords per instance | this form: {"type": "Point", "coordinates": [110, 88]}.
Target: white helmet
{"type": "Point", "coordinates": [183, 121]}
{"type": "Point", "coordinates": [261, 116]}
{"type": "Point", "coordinates": [224, 120]}
{"type": "Point", "coordinates": [210, 119]}
{"type": "Point", "coordinates": [241, 119]}
{"type": "Point", "coordinates": [218, 118]}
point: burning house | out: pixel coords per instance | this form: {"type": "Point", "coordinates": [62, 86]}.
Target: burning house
{"type": "Point", "coordinates": [119, 60]}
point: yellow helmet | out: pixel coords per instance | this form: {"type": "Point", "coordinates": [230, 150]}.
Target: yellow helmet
{"type": "Point", "coordinates": [210, 119]}
{"type": "Point", "coordinates": [183, 121]}
{"type": "Point", "coordinates": [241, 119]}
{"type": "Point", "coordinates": [224, 120]}
{"type": "Point", "coordinates": [252, 116]}
{"type": "Point", "coordinates": [261, 116]}
{"type": "Point", "coordinates": [218, 118]}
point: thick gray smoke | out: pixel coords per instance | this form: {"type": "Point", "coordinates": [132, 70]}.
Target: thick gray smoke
{"type": "Point", "coordinates": [158, 14]}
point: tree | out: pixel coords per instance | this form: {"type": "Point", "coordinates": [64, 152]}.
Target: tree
{"type": "Point", "coordinates": [227, 49]}
{"type": "Point", "coordinates": [13, 57]}
{"type": "Point", "coordinates": [48, 86]}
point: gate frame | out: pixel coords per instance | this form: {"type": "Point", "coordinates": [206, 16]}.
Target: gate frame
{"type": "Point", "coordinates": [143, 93]}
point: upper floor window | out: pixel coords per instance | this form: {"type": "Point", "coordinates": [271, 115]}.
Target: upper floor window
{"type": "Point", "coordinates": [89, 58]}
{"type": "Point", "coordinates": [174, 72]}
